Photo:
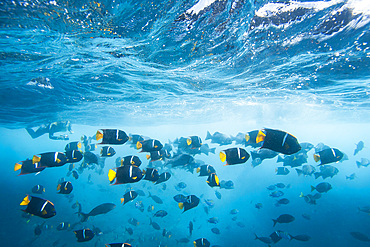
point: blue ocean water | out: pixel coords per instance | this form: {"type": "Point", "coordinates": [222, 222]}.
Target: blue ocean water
{"type": "Point", "coordinates": [171, 69]}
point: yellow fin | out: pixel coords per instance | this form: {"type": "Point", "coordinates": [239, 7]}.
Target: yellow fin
{"type": "Point", "coordinates": [260, 136]}
{"type": "Point", "coordinates": [222, 156]}
{"type": "Point", "coordinates": [122, 200]}
{"type": "Point", "coordinates": [134, 178]}
{"type": "Point", "coordinates": [301, 195]}
{"type": "Point", "coordinates": [217, 180]}
{"type": "Point", "coordinates": [79, 145]}
{"type": "Point", "coordinates": [181, 205]}
{"type": "Point", "coordinates": [25, 201]}
{"type": "Point", "coordinates": [247, 137]}
{"type": "Point", "coordinates": [98, 135]}
{"type": "Point", "coordinates": [44, 212]}
{"type": "Point", "coordinates": [58, 160]}
{"type": "Point", "coordinates": [17, 166]}
{"type": "Point", "coordinates": [36, 159]}
{"type": "Point", "coordinates": [316, 157]}
{"type": "Point", "coordinates": [43, 189]}
{"type": "Point", "coordinates": [195, 244]}
{"type": "Point", "coordinates": [198, 169]}
{"type": "Point", "coordinates": [58, 187]}
{"type": "Point", "coordinates": [111, 175]}
{"type": "Point", "coordinates": [139, 145]}
{"type": "Point", "coordinates": [148, 156]}
{"type": "Point", "coordinates": [188, 141]}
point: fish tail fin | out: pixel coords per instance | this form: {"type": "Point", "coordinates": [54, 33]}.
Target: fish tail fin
{"type": "Point", "coordinates": [316, 157]}
{"type": "Point", "coordinates": [260, 136]}
{"type": "Point", "coordinates": [209, 136]}
{"type": "Point", "coordinates": [357, 162]}
{"type": "Point", "coordinates": [122, 200]}
{"type": "Point", "coordinates": [256, 237]}
{"type": "Point", "coordinates": [222, 156]}
{"type": "Point", "coordinates": [299, 171]}
{"type": "Point", "coordinates": [317, 174]}
{"type": "Point", "coordinates": [26, 200]}
{"type": "Point", "coordinates": [275, 221]}
{"type": "Point", "coordinates": [301, 195]}
{"type": "Point", "coordinates": [312, 188]}
{"type": "Point", "coordinates": [279, 159]}
{"type": "Point", "coordinates": [148, 156]}
{"type": "Point", "coordinates": [139, 145]}
{"type": "Point", "coordinates": [111, 175]}
{"type": "Point", "coordinates": [213, 150]}
{"type": "Point", "coordinates": [181, 205]}
{"type": "Point", "coordinates": [85, 217]}
{"type": "Point", "coordinates": [98, 135]}
{"type": "Point", "coordinates": [17, 167]}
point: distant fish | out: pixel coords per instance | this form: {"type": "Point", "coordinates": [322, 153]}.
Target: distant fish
{"type": "Point", "coordinates": [306, 216]}
{"type": "Point", "coordinates": [266, 240]}
{"type": "Point", "coordinates": [306, 170]}
{"type": "Point", "coordinates": [258, 205]}
{"type": "Point", "coordinates": [194, 142]}
{"type": "Point", "coordinates": [365, 209]}
{"type": "Point", "coordinates": [282, 171]}
{"type": "Point", "coordinates": [151, 174]}
{"type": "Point", "coordinates": [227, 184]}
{"type": "Point", "coordinates": [160, 213]}
{"type": "Point", "coordinates": [234, 211]}
{"type": "Point", "coordinates": [129, 196]}
{"type": "Point", "coordinates": [111, 136]}
{"type": "Point", "coordinates": [327, 156]}
{"type": "Point", "coordinates": [139, 205]}
{"type": "Point", "coordinates": [129, 230]}
{"type": "Point", "coordinates": [302, 237]}
{"type": "Point", "coordinates": [133, 222]}
{"type": "Point", "coordinates": [213, 220]}
{"type": "Point", "coordinates": [84, 235]}
{"type": "Point", "coordinates": [38, 189]}
{"type": "Point", "coordinates": [100, 209]}
{"type": "Point", "coordinates": [311, 199]}
{"type": "Point", "coordinates": [65, 187]}
{"type": "Point", "coordinates": [213, 180]}
{"type": "Point", "coordinates": [359, 146]}
{"type": "Point", "coordinates": [262, 154]}
{"type": "Point", "coordinates": [73, 146]}
{"type": "Point", "coordinates": [191, 228]}
{"type": "Point", "coordinates": [180, 186]}
{"type": "Point", "coordinates": [283, 201]}
{"type": "Point", "coordinates": [219, 138]}
{"type": "Point", "coordinates": [218, 194]}
{"type": "Point", "coordinates": [75, 174]}
{"type": "Point", "coordinates": [107, 151]}
{"type": "Point", "coordinates": [326, 171]}
{"type": "Point", "coordinates": [352, 176]}
{"type": "Point", "coordinates": [63, 226]}
{"type": "Point", "coordinates": [179, 198]}
{"type": "Point", "coordinates": [293, 160]}
{"type": "Point", "coordinates": [215, 230]}
{"type": "Point", "coordinates": [191, 202]}
{"type": "Point", "coordinates": [205, 170]}
{"type": "Point", "coordinates": [234, 156]}
{"type": "Point", "coordinates": [154, 225]}
{"type": "Point", "coordinates": [130, 160]}
{"type": "Point", "coordinates": [322, 187]}
{"type": "Point", "coordinates": [201, 242]}
{"type": "Point", "coordinates": [278, 141]}
{"type": "Point", "coordinates": [156, 198]}
{"type": "Point", "coordinates": [38, 206]}
{"type": "Point", "coordinates": [364, 162]}
{"type": "Point", "coordinates": [284, 218]}
{"type": "Point", "coordinates": [360, 236]}
{"type": "Point", "coordinates": [149, 145]}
